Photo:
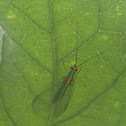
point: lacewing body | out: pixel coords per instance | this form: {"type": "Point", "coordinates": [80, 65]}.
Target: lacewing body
{"type": "Point", "coordinates": [59, 100]}
{"type": "Point", "coordinates": [55, 99]}
{"type": "Point", "coordinates": [66, 83]}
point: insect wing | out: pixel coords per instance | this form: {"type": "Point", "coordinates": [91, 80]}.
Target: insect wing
{"type": "Point", "coordinates": [41, 103]}
{"type": "Point", "coordinates": [61, 106]}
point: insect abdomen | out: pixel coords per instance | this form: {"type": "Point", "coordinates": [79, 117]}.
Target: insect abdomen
{"type": "Point", "coordinates": [67, 80]}
{"type": "Point", "coordinates": [59, 94]}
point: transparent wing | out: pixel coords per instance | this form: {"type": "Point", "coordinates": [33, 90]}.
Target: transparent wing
{"type": "Point", "coordinates": [61, 106]}
{"type": "Point", "coordinates": [41, 103]}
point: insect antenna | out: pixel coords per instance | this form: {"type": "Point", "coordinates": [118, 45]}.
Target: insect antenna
{"type": "Point", "coordinates": [77, 33]}
{"type": "Point", "coordinates": [87, 60]}
{"type": "Point", "coordinates": [91, 58]}
{"type": "Point", "coordinates": [77, 46]}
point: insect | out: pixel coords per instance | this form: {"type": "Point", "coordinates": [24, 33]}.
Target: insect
{"type": "Point", "coordinates": [53, 101]}
{"type": "Point", "coordinates": [57, 101]}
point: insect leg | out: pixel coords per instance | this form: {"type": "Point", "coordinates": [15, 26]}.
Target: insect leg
{"type": "Point", "coordinates": [64, 65]}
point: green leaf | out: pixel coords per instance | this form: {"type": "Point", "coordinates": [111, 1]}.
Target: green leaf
{"type": "Point", "coordinates": [37, 38]}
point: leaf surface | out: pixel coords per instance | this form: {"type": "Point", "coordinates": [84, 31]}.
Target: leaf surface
{"type": "Point", "coordinates": [38, 43]}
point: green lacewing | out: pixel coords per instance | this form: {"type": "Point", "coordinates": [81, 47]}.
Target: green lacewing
{"type": "Point", "coordinates": [55, 99]}
{"type": "Point", "coordinates": [59, 100]}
